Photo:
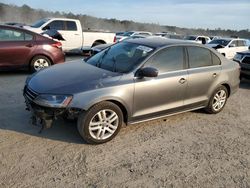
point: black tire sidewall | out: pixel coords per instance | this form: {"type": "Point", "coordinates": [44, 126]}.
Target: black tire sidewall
{"type": "Point", "coordinates": [85, 118]}
{"type": "Point", "coordinates": [36, 58]}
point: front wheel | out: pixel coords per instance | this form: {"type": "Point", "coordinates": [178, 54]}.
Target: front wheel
{"type": "Point", "coordinates": [101, 123]}
{"type": "Point", "coordinates": [217, 100]}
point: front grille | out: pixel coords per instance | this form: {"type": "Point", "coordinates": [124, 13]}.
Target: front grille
{"type": "Point", "coordinates": [246, 60]}
{"type": "Point", "coordinates": [30, 94]}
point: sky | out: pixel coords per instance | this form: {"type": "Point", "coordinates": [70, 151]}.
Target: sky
{"type": "Point", "coordinates": [224, 14]}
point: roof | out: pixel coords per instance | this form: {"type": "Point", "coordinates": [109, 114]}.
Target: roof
{"type": "Point", "coordinates": [158, 42]}
{"type": "Point", "coordinates": [16, 28]}
{"type": "Point", "coordinates": [230, 39]}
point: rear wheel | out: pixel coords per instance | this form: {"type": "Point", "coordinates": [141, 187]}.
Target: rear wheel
{"type": "Point", "coordinates": [39, 62]}
{"type": "Point", "coordinates": [101, 123]}
{"type": "Point", "coordinates": [217, 100]}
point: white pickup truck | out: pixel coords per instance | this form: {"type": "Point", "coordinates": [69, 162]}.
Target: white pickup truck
{"type": "Point", "coordinates": [71, 30]}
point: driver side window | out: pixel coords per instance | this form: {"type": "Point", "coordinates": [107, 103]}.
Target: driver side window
{"type": "Point", "coordinates": [167, 60]}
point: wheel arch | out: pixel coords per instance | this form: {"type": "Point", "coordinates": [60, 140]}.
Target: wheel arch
{"type": "Point", "coordinates": [228, 88]}
{"type": "Point", "coordinates": [119, 103]}
{"type": "Point", "coordinates": [98, 41]}
{"type": "Point", "coordinates": [123, 109]}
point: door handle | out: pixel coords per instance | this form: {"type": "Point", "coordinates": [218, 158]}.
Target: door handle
{"type": "Point", "coordinates": [76, 34]}
{"type": "Point", "coordinates": [29, 45]}
{"type": "Point", "coordinates": [214, 75]}
{"type": "Point", "coordinates": [182, 80]}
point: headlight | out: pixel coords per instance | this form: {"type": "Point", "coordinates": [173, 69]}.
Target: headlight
{"type": "Point", "coordinates": [238, 57]}
{"type": "Point", "coordinates": [56, 101]}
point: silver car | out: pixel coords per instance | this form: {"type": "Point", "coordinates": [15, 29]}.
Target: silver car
{"type": "Point", "coordinates": [133, 81]}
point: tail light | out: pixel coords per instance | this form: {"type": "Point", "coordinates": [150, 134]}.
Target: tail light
{"type": "Point", "coordinates": [114, 39]}
{"type": "Point", "coordinates": [57, 45]}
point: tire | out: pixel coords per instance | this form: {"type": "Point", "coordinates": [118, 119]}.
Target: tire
{"type": "Point", "coordinates": [110, 117]}
{"type": "Point", "coordinates": [39, 62]}
{"type": "Point", "coordinates": [218, 100]}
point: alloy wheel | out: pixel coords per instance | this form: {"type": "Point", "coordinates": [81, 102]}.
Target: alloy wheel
{"type": "Point", "coordinates": [219, 100]}
{"type": "Point", "coordinates": [40, 64]}
{"type": "Point", "coordinates": [103, 124]}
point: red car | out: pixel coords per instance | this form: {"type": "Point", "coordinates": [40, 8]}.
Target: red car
{"type": "Point", "coordinates": [23, 49]}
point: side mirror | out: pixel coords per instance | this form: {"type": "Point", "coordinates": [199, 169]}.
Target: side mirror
{"type": "Point", "coordinates": [47, 27]}
{"type": "Point", "coordinates": [232, 45]}
{"type": "Point", "coordinates": [147, 72]}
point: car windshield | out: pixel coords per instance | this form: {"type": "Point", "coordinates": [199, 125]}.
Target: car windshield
{"type": "Point", "coordinates": [190, 38]}
{"type": "Point", "coordinates": [39, 23]}
{"type": "Point", "coordinates": [222, 42]}
{"type": "Point", "coordinates": [122, 57]}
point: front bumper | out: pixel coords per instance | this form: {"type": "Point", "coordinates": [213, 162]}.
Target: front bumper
{"type": "Point", "coordinates": [245, 70]}
{"type": "Point", "coordinates": [40, 114]}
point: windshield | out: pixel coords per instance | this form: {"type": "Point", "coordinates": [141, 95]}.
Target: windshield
{"type": "Point", "coordinates": [122, 57]}
{"type": "Point", "coordinates": [190, 38]}
{"type": "Point", "coordinates": [39, 23]}
{"type": "Point", "coordinates": [222, 42]}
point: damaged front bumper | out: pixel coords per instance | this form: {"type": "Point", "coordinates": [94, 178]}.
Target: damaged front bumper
{"type": "Point", "coordinates": [42, 115]}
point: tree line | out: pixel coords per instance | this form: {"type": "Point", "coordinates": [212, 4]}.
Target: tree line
{"type": "Point", "coordinates": [26, 14]}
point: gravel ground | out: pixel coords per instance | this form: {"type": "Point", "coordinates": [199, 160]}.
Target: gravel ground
{"type": "Point", "coordinates": [192, 149]}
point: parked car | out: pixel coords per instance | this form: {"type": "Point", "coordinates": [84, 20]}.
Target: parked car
{"type": "Point", "coordinates": [229, 46]}
{"type": "Point", "coordinates": [128, 34]}
{"type": "Point", "coordinates": [119, 33]}
{"type": "Point", "coordinates": [23, 49]}
{"type": "Point", "coordinates": [98, 48]}
{"type": "Point", "coordinates": [198, 39]}
{"type": "Point", "coordinates": [76, 40]}
{"type": "Point", "coordinates": [132, 81]}
{"type": "Point", "coordinates": [17, 24]}
{"type": "Point", "coordinates": [243, 58]}
{"type": "Point", "coordinates": [214, 37]}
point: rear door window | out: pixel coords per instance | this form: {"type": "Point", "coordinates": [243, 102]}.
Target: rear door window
{"type": "Point", "coordinates": [166, 60]}
{"type": "Point", "coordinates": [11, 35]}
{"type": "Point", "coordinates": [216, 59]}
{"type": "Point", "coordinates": [199, 57]}
{"type": "Point", "coordinates": [241, 43]}
{"type": "Point", "coordinates": [28, 37]}
{"type": "Point", "coordinates": [71, 25]}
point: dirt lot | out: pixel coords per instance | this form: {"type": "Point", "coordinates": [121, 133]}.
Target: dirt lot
{"type": "Point", "coordinates": [188, 150]}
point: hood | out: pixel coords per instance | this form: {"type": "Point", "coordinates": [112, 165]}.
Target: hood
{"type": "Point", "coordinates": [244, 53]}
{"type": "Point", "coordinates": [70, 78]}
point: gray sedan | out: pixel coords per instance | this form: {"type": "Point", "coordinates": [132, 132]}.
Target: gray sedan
{"type": "Point", "coordinates": [129, 82]}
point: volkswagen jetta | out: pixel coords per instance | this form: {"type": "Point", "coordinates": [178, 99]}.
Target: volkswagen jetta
{"type": "Point", "coordinates": [132, 81]}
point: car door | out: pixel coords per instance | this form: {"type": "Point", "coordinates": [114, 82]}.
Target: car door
{"type": "Point", "coordinates": [69, 31]}
{"type": "Point", "coordinates": [15, 47]}
{"type": "Point", "coordinates": [165, 92]}
{"type": "Point", "coordinates": [232, 49]}
{"type": "Point", "coordinates": [203, 72]}
{"type": "Point", "coordinates": [242, 46]}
